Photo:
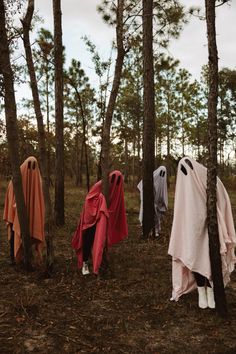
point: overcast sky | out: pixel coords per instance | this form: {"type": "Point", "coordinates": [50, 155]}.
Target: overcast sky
{"type": "Point", "coordinates": [80, 18]}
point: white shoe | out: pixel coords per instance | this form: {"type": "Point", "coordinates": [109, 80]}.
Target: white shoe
{"type": "Point", "coordinates": [85, 268]}
{"type": "Point", "coordinates": [202, 297]}
{"type": "Point", "coordinates": [210, 298]}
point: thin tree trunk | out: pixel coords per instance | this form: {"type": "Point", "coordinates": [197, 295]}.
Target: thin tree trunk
{"type": "Point", "coordinates": [168, 126]}
{"type": "Point", "coordinates": [84, 140]}
{"type": "Point", "coordinates": [214, 244]}
{"type": "Point", "coordinates": [105, 146]}
{"type": "Point", "coordinates": [26, 22]}
{"type": "Point", "coordinates": [126, 166]}
{"type": "Point", "coordinates": [139, 152]}
{"type": "Point", "coordinates": [168, 137]}
{"type": "Point", "coordinates": [112, 99]}
{"type": "Point", "coordinates": [77, 149]}
{"type": "Point", "coordinates": [103, 103]}
{"type": "Point", "coordinates": [198, 138]}
{"type": "Point", "coordinates": [102, 116]}
{"type": "Point", "coordinates": [182, 123]}
{"type": "Point", "coordinates": [81, 164]}
{"type": "Point", "coordinates": [12, 137]}
{"type": "Point", "coordinates": [48, 127]}
{"type": "Point", "coordinates": [133, 163]}
{"type": "Point", "coordinates": [149, 121]}
{"type": "Point", "coordinates": [159, 146]}
{"type": "Point", "coordinates": [59, 165]}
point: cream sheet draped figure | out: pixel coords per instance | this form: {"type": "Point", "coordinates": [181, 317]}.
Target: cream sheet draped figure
{"type": "Point", "coordinates": [189, 245]}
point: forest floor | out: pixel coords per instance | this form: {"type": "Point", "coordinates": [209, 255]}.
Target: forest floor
{"type": "Point", "coordinates": [128, 311]}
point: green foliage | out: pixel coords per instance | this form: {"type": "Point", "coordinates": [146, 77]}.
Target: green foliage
{"type": "Point", "coordinates": [99, 65]}
{"type": "Point", "coordinates": [28, 143]}
{"type": "Point", "coordinates": [102, 70]}
{"type": "Point", "coordinates": [226, 109]}
{"type": "Point", "coordinates": [168, 19]}
{"type": "Point", "coordinates": [128, 116]}
{"type": "Point", "coordinates": [79, 107]}
{"type": "Point", "coordinates": [44, 67]}
{"type": "Point", "coordinates": [77, 83]}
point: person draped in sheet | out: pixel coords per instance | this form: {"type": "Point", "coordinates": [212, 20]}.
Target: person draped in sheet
{"type": "Point", "coordinates": [100, 225]}
{"type": "Point", "coordinates": [160, 197]}
{"type": "Point", "coordinates": [33, 194]}
{"type": "Point", "coordinates": [8, 217]}
{"type": "Point", "coordinates": [189, 243]}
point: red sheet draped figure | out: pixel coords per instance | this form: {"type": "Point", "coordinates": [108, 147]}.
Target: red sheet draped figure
{"type": "Point", "coordinates": [33, 194]}
{"type": "Point", "coordinates": [110, 224]}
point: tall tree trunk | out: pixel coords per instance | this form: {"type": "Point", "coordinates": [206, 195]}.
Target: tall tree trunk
{"type": "Point", "coordinates": [139, 151]}
{"type": "Point", "coordinates": [77, 149]}
{"type": "Point", "coordinates": [133, 162]}
{"type": "Point", "coordinates": [105, 146]}
{"type": "Point", "coordinates": [84, 139]}
{"type": "Point", "coordinates": [126, 161]}
{"type": "Point", "coordinates": [103, 103]}
{"type": "Point", "coordinates": [168, 126]}
{"type": "Point", "coordinates": [12, 136]}
{"type": "Point", "coordinates": [149, 121]}
{"type": "Point", "coordinates": [182, 123]}
{"type": "Point", "coordinates": [26, 22]}
{"type": "Point", "coordinates": [198, 137]}
{"type": "Point", "coordinates": [81, 163]}
{"type": "Point", "coordinates": [105, 151]}
{"type": "Point", "coordinates": [214, 244]}
{"type": "Point", "coordinates": [102, 115]}
{"type": "Point", "coordinates": [48, 126]}
{"type": "Point", "coordinates": [59, 165]}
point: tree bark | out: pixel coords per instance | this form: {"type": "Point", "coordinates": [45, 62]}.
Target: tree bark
{"type": "Point", "coordinates": [84, 139]}
{"type": "Point", "coordinates": [81, 163]}
{"type": "Point", "coordinates": [26, 22]}
{"type": "Point", "coordinates": [168, 136]}
{"type": "Point", "coordinates": [12, 136]}
{"type": "Point", "coordinates": [59, 163]}
{"type": "Point", "coordinates": [134, 174]}
{"type": "Point", "coordinates": [214, 244]}
{"type": "Point", "coordinates": [48, 126]}
{"type": "Point", "coordinates": [76, 162]}
{"type": "Point", "coordinates": [149, 121]}
{"type": "Point", "coordinates": [105, 150]}
{"type": "Point", "coordinates": [126, 161]}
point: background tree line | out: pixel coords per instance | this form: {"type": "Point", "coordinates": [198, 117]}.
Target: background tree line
{"type": "Point", "coordinates": [180, 110]}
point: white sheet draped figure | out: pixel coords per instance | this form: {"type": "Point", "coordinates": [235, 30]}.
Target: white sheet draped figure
{"type": "Point", "coordinates": [160, 196]}
{"type": "Point", "coordinates": [189, 245]}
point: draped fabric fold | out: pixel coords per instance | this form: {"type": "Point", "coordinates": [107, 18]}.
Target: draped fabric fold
{"type": "Point", "coordinates": [189, 243]}
{"type": "Point", "coordinates": [111, 223]}
{"type": "Point", "coordinates": [160, 195]}
{"type": "Point", "coordinates": [33, 194]}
